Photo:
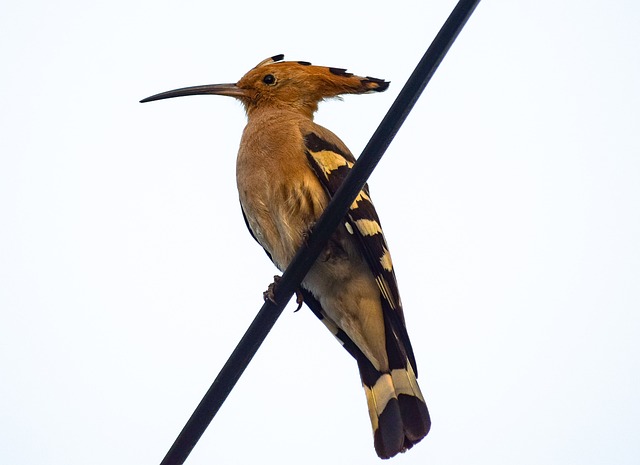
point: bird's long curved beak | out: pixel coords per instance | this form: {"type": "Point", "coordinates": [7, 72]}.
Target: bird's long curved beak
{"type": "Point", "coordinates": [230, 90]}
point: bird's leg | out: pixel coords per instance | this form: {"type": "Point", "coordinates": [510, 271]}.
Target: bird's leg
{"type": "Point", "coordinates": [270, 293]}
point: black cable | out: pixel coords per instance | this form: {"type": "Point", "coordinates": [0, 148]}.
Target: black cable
{"type": "Point", "coordinates": [328, 222]}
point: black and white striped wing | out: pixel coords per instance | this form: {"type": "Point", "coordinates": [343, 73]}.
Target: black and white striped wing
{"type": "Point", "coordinates": [332, 165]}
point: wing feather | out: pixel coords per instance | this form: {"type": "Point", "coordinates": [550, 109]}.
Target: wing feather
{"type": "Point", "coordinates": [332, 165]}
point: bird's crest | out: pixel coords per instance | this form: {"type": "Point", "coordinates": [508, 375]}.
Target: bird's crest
{"type": "Point", "coordinates": [273, 59]}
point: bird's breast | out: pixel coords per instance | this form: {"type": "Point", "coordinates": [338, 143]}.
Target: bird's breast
{"type": "Point", "coordinates": [279, 193]}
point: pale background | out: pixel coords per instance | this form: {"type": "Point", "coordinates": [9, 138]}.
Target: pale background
{"type": "Point", "coordinates": [510, 199]}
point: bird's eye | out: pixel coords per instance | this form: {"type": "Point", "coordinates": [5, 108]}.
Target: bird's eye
{"type": "Point", "coordinates": [269, 79]}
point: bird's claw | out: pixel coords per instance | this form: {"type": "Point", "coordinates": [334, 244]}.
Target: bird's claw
{"type": "Point", "coordinates": [299, 299]}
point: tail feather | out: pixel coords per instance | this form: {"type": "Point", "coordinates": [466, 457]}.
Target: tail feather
{"type": "Point", "coordinates": [398, 412]}
{"type": "Point", "coordinates": [415, 415]}
{"type": "Point", "coordinates": [388, 439]}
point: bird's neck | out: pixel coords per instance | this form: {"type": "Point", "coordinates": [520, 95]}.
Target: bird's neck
{"type": "Point", "coordinates": [302, 109]}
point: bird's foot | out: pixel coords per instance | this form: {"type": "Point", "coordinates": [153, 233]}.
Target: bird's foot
{"type": "Point", "coordinates": [270, 293]}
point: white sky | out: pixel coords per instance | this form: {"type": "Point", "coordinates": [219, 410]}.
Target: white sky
{"type": "Point", "coordinates": [510, 199]}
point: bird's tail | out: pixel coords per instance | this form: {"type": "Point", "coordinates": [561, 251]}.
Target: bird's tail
{"type": "Point", "coordinates": [398, 412]}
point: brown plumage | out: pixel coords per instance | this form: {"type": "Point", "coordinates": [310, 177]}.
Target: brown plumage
{"type": "Point", "coordinates": [288, 168]}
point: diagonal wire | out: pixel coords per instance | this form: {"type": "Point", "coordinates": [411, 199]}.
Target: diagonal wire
{"type": "Point", "coordinates": [328, 222]}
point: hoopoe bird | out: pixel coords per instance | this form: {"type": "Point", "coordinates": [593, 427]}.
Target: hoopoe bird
{"type": "Point", "coordinates": [288, 168]}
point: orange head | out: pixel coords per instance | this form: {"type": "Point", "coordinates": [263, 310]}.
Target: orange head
{"type": "Point", "coordinates": [295, 85]}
